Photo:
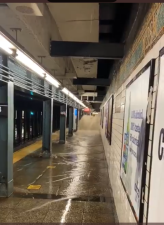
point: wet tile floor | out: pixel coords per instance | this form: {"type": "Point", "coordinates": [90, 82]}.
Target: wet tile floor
{"type": "Point", "coordinates": [74, 183]}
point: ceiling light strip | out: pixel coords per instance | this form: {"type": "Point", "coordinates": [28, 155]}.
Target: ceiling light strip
{"type": "Point", "coordinates": [67, 92]}
{"type": "Point", "coordinates": [10, 48]}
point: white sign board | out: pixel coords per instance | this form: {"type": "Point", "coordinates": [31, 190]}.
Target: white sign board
{"type": "Point", "coordinates": [134, 138]}
{"type": "Point", "coordinates": [156, 200]}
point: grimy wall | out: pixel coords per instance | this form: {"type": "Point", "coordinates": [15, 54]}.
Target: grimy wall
{"type": "Point", "coordinates": [146, 46]}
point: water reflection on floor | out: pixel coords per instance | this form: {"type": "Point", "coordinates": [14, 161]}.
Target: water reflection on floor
{"type": "Point", "coordinates": [74, 185]}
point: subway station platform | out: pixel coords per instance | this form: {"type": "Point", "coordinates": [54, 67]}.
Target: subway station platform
{"type": "Point", "coordinates": [70, 187]}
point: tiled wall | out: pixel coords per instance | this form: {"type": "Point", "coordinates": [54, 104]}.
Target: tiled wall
{"type": "Point", "coordinates": [113, 152]}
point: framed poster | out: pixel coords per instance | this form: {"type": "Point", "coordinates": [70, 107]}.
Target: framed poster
{"type": "Point", "coordinates": [135, 138]}
{"type": "Point", "coordinates": [106, 119]}
{"type": "Point", "coordinates": [110, 114]}
{"type": "Point", "coordinates": [102, 117]}
{"type": "Point", "coordinates": [156, 192]}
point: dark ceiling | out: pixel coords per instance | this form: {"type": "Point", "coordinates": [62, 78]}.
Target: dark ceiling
{"type": "Point", "coordinates": [118, 23]}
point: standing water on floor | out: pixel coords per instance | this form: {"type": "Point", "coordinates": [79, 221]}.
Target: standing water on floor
{"type": "Point", "coordinates": [71, 187]}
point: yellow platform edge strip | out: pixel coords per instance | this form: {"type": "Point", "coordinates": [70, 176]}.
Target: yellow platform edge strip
{"type": "Point", "coordinates": [20, 154]}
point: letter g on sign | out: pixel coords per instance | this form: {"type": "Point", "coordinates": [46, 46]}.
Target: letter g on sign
{"type": "Point", "coordinates": [161, 144]}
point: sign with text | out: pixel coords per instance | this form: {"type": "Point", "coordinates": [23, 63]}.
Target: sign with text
{"type": "Point", "coordinates": [156, 199]}
{"type": "Point", "coordinates": [134, 138]}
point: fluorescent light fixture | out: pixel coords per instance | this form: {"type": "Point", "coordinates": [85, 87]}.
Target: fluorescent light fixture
{"type": "Point", "coordinates": [35, 67]}
{"type": "Point", "coordinates": [6, 45]}
{"type": "Point", "coordinates": [52, 80]}
{"type": "Point", "coordinates": [24, 59]}
{"type": "Point", "coordinates": [67, 92]}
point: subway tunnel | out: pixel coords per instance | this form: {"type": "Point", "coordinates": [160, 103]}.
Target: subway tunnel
{"type": "Point", "coordinates": [81, 108]}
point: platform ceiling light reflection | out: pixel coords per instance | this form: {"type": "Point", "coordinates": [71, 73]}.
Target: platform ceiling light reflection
{"type": "Point", "coordinates": [67, 208]}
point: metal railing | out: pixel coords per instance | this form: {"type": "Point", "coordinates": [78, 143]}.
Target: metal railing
{"type": "Point", "coordinates": [43, 88]}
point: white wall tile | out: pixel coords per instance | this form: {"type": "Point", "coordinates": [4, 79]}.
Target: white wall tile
{"type": "Point", "coordinates": [147, 178]}
{"type": "Point", "coordinates": [155, 83]}
{"type": "Point", "coordinates": [156, 66]}
{"type": "Point", "coordinates": [144, 219]}
{"type": "Point", "coordinates": [118, 122]}
{"type": "Point", "coordinates": [149, 148]}
{"type": "Point", "coordinates": [117, 127]}
{"type": "Point", "coordinates": [151, 132]}
{"type": "Point", "coordinates": [152, 116]}
{"type": "Point", "coordinates": [145, 209]}
{"type": "Point", "coordinates": [154, 100]}
{"type": "Point", "coordinates": [148, 163]}
{"type": "Point", "coordinates": [146, 194]}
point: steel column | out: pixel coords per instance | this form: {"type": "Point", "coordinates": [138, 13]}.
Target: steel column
{"type": "Point", "coordinates": [6, 138]}
{"type": "Point", "coordinates": [47, 125]}
{"type": "Point", "coordinates": [70, 132]}
{"type": "Point", "coordinates": [63, 114]}
{"type": "Point", "coordinates": [75, 120]}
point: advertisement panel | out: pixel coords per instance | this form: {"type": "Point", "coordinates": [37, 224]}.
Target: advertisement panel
{"type": "Point", "coordinates": [156, 199]}
{"type": "Point", "coordinates": [133, 149]}
{"type": "Point", "coordinates": [109, 125]}
{"type": "Point", "coordinates": [106, 119]}
{"type": "Point", "coordinates": [102, 117]}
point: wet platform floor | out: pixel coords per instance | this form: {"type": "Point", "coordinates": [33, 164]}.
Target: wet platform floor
{"type": "Point", "coordinates": [73, 185]}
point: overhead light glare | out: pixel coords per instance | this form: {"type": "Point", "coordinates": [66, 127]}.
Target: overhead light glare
{"type": "Point", "coordinates": [24, 59]}
{"type": "Point", "coordinates": [5, 45]}
{"type": "Point", "coordinates": [67, 92]}
{"type": "Point", "coordinates": [52, 80]}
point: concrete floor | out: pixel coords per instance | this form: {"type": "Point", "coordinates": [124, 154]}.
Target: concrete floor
{"type": "Point", "coordinates": [74, 183]}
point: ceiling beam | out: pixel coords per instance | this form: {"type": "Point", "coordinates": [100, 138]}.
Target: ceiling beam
{"type": "Point", "coordinates": [98, 98]}
{"type": "Point", "coordinates": [86, 49]}
{"type": "Point", "coordinates": [66, 76]}
{"type": "Point", "coordinates": [92, 94]}
{"type": "Point", "coordinates": [91, 81]}
{"type": "Point", "coordinates": [106, 22]}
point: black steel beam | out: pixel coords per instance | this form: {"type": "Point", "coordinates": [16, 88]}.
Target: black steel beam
{"type": "Point", "coordinates": [86, 49]}
{"type": "Point", "coordinates": [98, 98]}
{"type": "Point", "coordinates": [91, 81]}
{"type": "Point", "coordinates": [106, 22]}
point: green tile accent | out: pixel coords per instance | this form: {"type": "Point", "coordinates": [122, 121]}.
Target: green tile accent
{"type": "Point", "coordinates": [160, 18]}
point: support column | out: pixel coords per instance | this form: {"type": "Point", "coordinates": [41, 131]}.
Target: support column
{"type": "Point", "coordinates": [63, 114]}
{"type": "Point", "coordinates": [47, 125]}
{"type": "Point", "coordinates": [70, 126]}
{"type": "Point", "coordinates": [75, 120]}
{"type": "Point", "coordinates": [6, 138]}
